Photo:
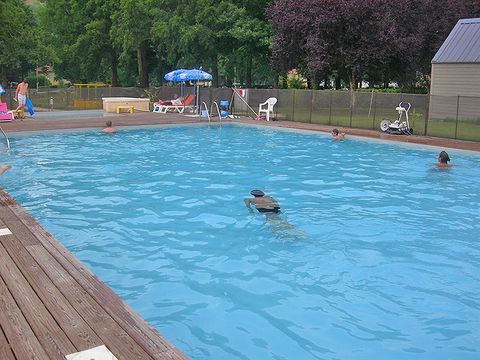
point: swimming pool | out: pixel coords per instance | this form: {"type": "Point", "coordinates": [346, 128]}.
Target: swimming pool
{"type": "Point", "coordinates": [375, 254]}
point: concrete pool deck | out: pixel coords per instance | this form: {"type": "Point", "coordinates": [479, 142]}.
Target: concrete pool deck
{"type": "Point", "coordinates": [96, 119]}
{"type": "Point", "coordinates": [52, 305]}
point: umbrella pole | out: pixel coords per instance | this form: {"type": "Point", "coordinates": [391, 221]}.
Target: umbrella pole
{"type": "Point", "coordinates": [198, 98]}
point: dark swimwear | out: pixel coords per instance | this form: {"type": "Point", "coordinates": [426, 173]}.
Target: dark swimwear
{"type": "Point", "coordinates": [266, 210]}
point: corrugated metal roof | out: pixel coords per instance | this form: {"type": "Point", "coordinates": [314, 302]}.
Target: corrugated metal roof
{"type": "Point", "coordinates": [462, 44]}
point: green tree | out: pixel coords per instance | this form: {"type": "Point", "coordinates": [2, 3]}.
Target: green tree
{"type": "Point", "coordinates": [21, 44]}
{"type": "Point", "coordinates": [131, 24]}
{"type": "Point", "coordinates": [79, 31]}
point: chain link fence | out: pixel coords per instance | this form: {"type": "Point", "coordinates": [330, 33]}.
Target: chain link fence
{"type": "Point", "coordinates": [456, 117]}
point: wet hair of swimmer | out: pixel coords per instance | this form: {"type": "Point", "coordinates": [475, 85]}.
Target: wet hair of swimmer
{"type": "Point", "coordinates": [443, 156]}
{"type": "Point", "coordinates": [109, 123]}
{"type": "Point", "coordinates": [335, 131]}
{"type": "Point", "coordinates": [257, 193]}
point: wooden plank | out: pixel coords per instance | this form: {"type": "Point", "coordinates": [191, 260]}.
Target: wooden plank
{"type": "Point", "coordinates": [25, 345]}
{"type": "Point", "coordinates": [8, 217]}
{"type": "Point", "coordinates": [46, 329]}
{"type": "Point", "coordinates": [110, 333]}
{"type": "Point", "coordinates": [5, 349]}
{"type": "Point", "coordinates": [135, 326]}
{"type": "Point", "coordinates": [73, 324]}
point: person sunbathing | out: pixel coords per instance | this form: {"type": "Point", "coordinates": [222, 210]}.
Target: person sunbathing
{"type": "Point", "coordinates": [178, 100]}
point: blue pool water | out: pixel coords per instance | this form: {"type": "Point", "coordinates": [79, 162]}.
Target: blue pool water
{"type": "Point", "coordinates": [376, 254]}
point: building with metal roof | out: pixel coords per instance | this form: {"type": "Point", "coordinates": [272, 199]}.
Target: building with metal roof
{"type": "Point", "coordinates": [456, 65]}
{"type": "Point", "coordinates": [455, 80]}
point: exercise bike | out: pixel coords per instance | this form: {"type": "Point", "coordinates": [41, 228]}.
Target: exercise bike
{"type": "Point", "coordinates": [399, 126]}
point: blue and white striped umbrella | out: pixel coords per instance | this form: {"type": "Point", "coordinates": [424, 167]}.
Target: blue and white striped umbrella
{"type": "Point", "coordinates": [180, 75]}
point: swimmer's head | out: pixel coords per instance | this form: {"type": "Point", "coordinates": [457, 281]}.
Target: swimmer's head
{"type": "Point", "coordinates": [109, 123]}
{"type": "Point", "coordinates": [443, 157]}
{"type": "Point", "coordinates": [335, 131]}
{"type": "Point", "coordinates": [257, 193]}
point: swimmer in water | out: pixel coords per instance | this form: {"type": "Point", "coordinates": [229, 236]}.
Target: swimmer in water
{"type": "Point", "coordinates": [109, 128]}
{"type": "Point", "coordinates": [337, 135]}
{"type": "Point", "coordinates": [4, 168]}
{"type": "Point", "coordinates": [264, 204]}
{"type": "Point", "coordinates": [443, 160]}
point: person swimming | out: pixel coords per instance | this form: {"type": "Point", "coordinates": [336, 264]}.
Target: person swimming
{"type": "Point", "coordinates": [337, 135]}
{"type": "Point", "coordinates": [264, 204]}
{"type": "Point", "coordinates": [109, 128]}
{"type": "Point", "coordinates": [4, 168]}
{"type": "Point", "coordinates": [443, 159]}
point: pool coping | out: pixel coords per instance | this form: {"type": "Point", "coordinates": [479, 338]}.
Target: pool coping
{"type": "Point", "coordinates": [154, 119]}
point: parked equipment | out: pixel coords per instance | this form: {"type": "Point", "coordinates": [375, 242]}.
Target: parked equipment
{"type": "Point", "coordinates": [224, 104]}
{"type": "Point", "coordinates": [401, 126]}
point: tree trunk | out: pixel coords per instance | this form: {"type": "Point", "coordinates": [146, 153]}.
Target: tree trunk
{"type": "Point", "coordinates": [353, 80]}
{"type": "Point", "coordinates": [142, 65]}
{"type": "Point", "coordinates": [3, 76]}
{"type": "Point", "coordinates": [385, 80]}
{"type": "Point", "coordinates": [275, 79]}
{"type": "Point", "coordinates": [215, 71]}
{"type": "Point", "coordinates": [114, 66]}
{"type": "Point", "coordinates": [248, 73]}
{"type": "Point", "coordinates": [338, 82]}
{"type": "Point", "coordinates": [161, 71]}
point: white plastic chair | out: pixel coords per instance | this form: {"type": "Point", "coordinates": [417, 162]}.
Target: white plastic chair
{"type": "Point", "coordinates": [267, 107]}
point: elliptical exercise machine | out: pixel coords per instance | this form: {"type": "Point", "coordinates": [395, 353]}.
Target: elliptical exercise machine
{"type": "Point", "coordinates": [399, 126]}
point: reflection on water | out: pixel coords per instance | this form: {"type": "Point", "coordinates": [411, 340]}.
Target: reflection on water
{"type": "Point", "coordinates": [282, 229]}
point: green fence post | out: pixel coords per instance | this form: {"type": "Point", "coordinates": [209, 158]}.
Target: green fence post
{"type": "Point", "coordinates": [293, 107]}
{"type": "Point", "coordinates": [312, 95]}
{"type": "Point", "coordinates": [427, 115]}
{"type": "Point", "coordinates": [330, 110]}
{"type": "Point", "coordinates": [456, 117]}
{"type": "Point", "coordinates": [374, 110]}
{"type": "Point", "coordinates": [352, 104]}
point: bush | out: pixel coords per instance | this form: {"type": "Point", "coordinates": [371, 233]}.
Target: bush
{"type": "Point", "coordinates": [42, 81]}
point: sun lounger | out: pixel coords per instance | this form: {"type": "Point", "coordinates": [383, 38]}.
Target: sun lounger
{"type": "Point", "coordinates": [180, 108]}
{"type": "Point", "coordinates": [5, 114]}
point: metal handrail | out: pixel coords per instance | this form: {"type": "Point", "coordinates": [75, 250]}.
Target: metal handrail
{"type": "Point", "coordinates": [246, 103]}
{"type": "Point", "coordinates": [6, 138]}
{"type": "Point", "coordinates": [218, 111]}
{"type": "Point", "coordinates": [206, 109]}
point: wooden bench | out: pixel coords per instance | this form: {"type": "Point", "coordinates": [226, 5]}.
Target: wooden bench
{"type": "Point", "coordinates": [129, 108]}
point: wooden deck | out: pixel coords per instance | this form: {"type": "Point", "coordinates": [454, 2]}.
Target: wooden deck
{"type": "Point", "coordinates": [52, 305]}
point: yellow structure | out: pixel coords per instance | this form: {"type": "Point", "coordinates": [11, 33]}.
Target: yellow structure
{"type": "Point", "coordinates": [89, 96]}
{"type": "Point", "coordinates": [116, 104]}
{"type": "Point", "coordinates": [129, 109]}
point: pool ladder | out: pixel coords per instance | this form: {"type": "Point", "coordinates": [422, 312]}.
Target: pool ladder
{"type": "Point", "coordinates": [204, 105]}
{"type": "Point", "coordinates": [6, 138]}
{"type": "Point", "coordinates": [218, 110]}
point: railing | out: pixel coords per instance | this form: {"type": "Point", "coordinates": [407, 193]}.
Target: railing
{"type": "Point", "coordinates": [206, 109]}
{"type": "Point", "coordinates": [218, 110]}
{"type": "Point", "coordinates": [6, 138]}
{"type": "Point", "coordinates": [455, 117]}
